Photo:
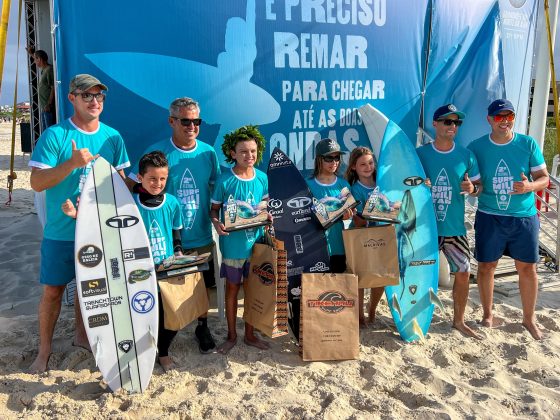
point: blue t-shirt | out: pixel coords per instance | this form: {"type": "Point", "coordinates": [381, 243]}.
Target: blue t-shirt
{"type": "Point", "coordinates": [500, 166]}
{"type": "Point", "coordinates": [446, 171]}
{"type": "Point", "coordinates": [361, 193]}
{"type": "Point", "coordinates": [160, 222]}
{"type": "Point", "coordinates": [55, 147]}
{"type": "Point", "coordinates": [192, 174]}
{"type": "Point", "coordinates": [320, 192]}
{"type": "Point", "coordinates": [238, 244]}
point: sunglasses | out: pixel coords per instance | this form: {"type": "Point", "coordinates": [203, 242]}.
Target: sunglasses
{"type": "Point", "coordinates": [185, 122]}
{"type": "Point", "coordinates": [88, 97]}
{"type": "Point", "coordinates": [449, 121]}
{"type": "Point", "coordinates": [330, 159]}
{"type": "Point", "coordinates": [507, 117]}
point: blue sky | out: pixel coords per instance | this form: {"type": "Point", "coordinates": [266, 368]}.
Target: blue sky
{"type": "Point", "coordinates": [8, 80]}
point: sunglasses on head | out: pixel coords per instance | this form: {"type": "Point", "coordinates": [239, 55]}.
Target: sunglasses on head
{"type": "Point", "coordinates": [506, 117]}
{"type": "Point", "coordinates": [188, 121]}
{"type": "Point", "coordinates": [330, 159]}
{"type": "Point", "coordinates": [449, 121]}
{"type": "Point", "coordinates": [88, 97]}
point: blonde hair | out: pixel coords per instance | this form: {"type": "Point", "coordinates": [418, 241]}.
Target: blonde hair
{"type": "Point", "coordinates": [351, 175]}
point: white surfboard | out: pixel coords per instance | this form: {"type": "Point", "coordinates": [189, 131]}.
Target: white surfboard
{"type": "Point", "coordinates": [116, 281]}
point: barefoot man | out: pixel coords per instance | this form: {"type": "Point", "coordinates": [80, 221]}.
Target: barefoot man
{"type": "Point", "coordinates": [453, 172]}
{"type": "Point", "coordinates": [59, 164]}
{"type": "Point", "coordinates": [512, 168]}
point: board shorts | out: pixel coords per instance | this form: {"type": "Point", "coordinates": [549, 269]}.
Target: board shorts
{"type": "Point", "coordinates": [457, 252]}
{"type": "Point", "coordinates": [235, 270]}
{"type": "Point", "coordinates": [516, 237]}
{"type": "Point", "coordinates": [208, 275]}
{"type": "Point", "coordinates": [57, 262]}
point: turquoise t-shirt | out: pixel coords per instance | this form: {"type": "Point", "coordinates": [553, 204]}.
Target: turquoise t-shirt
{"type": "Point", "coordinates": [55, 147]}
{"type": "Point", "coordinates": [238, 244]}
{"type": "Point", "coordinates": [320, 192]}
{"type": "Point", "coordinates": [500, 166]}
{"type": "Point", "coordinates": [446, 171]}
{"type": "Point", "coordinates": [160, 222]}
{"type": "Point", "coordinates": [192, 174]}
{"type": "Point", "coordinates": [361, 193]}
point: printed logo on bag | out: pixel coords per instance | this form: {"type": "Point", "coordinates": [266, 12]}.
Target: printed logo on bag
{"type": "Point", "coordinates": [374, 243]}
{"type": "Point", "coordinates": [331, 302]}
{"type": "Point", "coordinates": [413, 181]}
{"type": "Point", "coordinates": [93, 287]}
{"type": "Point", "coordinates": [138, 275]}
{"type": "Point", "coordinates": [125, 345]}
{"type": "Point", "coordinates": [98, 320]}
{"type": "Point", "coordinates": [136, 253]}
{"type": "Point", "coordinates": [299, 202]}
{"type": "Point", "coordinates": [320, 266]}
{"type": "Point", "coordinates": [89, 256]}
{"type": "Point", "coordinates": [143, 302]}
{"type": "Point", "coordinates": [265, 273]}
{"type": "Point", "coordinates": [121, 222]}
{"type": "Point", "coordinates": [115, 270]}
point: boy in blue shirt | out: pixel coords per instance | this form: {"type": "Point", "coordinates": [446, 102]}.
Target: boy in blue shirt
{"type": "Point", "coordinates": [243, 147]}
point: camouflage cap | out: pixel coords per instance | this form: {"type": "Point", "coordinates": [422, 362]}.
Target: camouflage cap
{"type": "Point", "coordinates": [84, 82]}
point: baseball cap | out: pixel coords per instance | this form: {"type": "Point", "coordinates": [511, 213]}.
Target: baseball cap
{"type": "Point", "coordinates": [326, 147]}
{"type": "Point", "coordinates": [84, 82]}
{"type": "Point", "coordinates": [449, 109]}
{"type": "Point", "coordinates": [500, 105]}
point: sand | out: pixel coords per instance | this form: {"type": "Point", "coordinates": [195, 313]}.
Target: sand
{"type": "Point", "coordinates": [506, 375]}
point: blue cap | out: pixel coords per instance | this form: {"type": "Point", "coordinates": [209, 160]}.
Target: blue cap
{"type": "Point", "coordinates": [449, 109]}
{"type": "Point", "coordinates": [500, 105]}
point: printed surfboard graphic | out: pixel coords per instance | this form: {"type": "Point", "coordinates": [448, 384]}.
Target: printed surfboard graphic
{"type": "Point", "coordinates": [441, 195]}
{"type": "Point", "coordinates": [502, 184]}
{"type": "Point", "coordinates": [189, 197]}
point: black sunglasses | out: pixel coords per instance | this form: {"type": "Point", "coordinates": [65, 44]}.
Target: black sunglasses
{"type": "Point", "coordinates": [88, 97]}
{"type": "Point", "coordinates": [188, 121]}
{"type": "Point", "coordinates": [330, 159]}
{"type": "Point", "coordinates": [449, 121]}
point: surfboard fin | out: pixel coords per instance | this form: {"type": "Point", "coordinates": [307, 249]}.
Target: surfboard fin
{"type": "Point", "coordinates": [416, 329]}
{"type": "Point", "coordinates": [396, 306]}
{"type": "Point", "coordinates": [434, 299]}
{"type": "Point", "coordinates": [153, 338]}
{"type": "Point", "coordinates": [98, 351]}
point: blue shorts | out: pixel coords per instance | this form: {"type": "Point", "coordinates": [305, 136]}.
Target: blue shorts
{"type": "Point", "coordinates": [234, 270]}
{"type": "Point", "coordinates": [57, 262]}
{"type": "Point", "coordinates": [516, 237]}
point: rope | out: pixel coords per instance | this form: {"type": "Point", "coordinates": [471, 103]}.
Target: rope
{"type": "Point", "coordinates": [12, 176]}
{"type": "Point", "coordinates": [552, 73]}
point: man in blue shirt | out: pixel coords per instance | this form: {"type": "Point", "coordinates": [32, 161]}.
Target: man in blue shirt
{"type": "Point", "coordinates": [453, 172]}
{"type": "Point", "coordinates": [512, 169]}
{"type": "Point", "coordinates": [193, 170]}
{"type": "Point", "coordinates": [59, 164]}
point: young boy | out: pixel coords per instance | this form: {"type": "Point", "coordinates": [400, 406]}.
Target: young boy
{"type": "Point", "coordinates": [161, 214]}
{"type": "Point", "coordinates": [244, 147]}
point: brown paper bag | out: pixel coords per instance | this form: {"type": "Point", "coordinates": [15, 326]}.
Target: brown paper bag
{"type": "Point", "coordinates": [266, 290]}
{"type": "Point", "coordinates": [329, 328]}
{"type": "Point", "coordinates": [184, 299]}
{"type": "Point", "coordinates": [371, 254]}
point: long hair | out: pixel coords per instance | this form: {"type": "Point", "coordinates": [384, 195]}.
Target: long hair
{"type": "Point", "coordinates": [351, 175]}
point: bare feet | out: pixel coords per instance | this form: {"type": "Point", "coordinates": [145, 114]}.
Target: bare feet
{"type": "Point", "coordinates": [255, 341]}
{"type": "Point", "coordinates": [533, 329]}
{"type": "Point", "coordinates": [40, 364]}
{"type": "Point", "coordinates": [68, 209]}
{"type": "Point", "coordinates": [469, 332]}
{"type": "Point", "coordinates": [167, 363]}
{"type": "Point", "coordinates": [227, 345]}
{"type": "Point", "coordinates": [492, 322]}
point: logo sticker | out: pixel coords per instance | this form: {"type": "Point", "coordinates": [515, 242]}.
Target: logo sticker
{"type": "Point", "coordinates": [103, 302]}
{"type": "Point", "coordinates": [298, 242]}
{"type": "Point", "coordinates": [331, 302]}
{"type": "Point", "coordinates": [413, 181]}
{"type": "Point", "coordinates": [125, 345]}
{"type": "Point", "coordinates": [89, 256]}
{"type": "Point", "coordinates": [121, 222]}
{"type": "Point", "coordinates": [143, 302]}
{"type": "Point", "coordinates": [320, 266]}
{"type": "Point", "coordinates": [98, 320]}
{"type": "Point", "coordinates": [265, 273]}
{"type": "Point", "coordinates": [299, 202]}
{"type": "Point", "coordinates": [93, 287]}
{"type": "Point", "coordinates": [115, 270]}
{"type": "Point", "coordinates": [274, 203]}
{"type": "Point", "coordinates": [136, 253]}
{"type": "Point", "coordinates": [139, 275]}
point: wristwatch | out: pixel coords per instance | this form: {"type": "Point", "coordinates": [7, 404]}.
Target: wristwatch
{"type": "Point", "coordinates": [475, 191]}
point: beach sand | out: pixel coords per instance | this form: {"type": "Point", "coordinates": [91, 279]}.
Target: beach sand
{"type": "Point", "coordinates": [506, 375]}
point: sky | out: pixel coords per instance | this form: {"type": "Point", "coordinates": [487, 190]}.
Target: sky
{"type": "Point", "coordinates": [8, 79]}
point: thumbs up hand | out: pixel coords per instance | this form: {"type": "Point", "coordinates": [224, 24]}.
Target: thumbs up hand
{"type": "Point", "coordinates": [467, 186]}
{"type": "Point", "coordinates": [523, 186]}
{"type": "Point", "coordinates": [80, 157]}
